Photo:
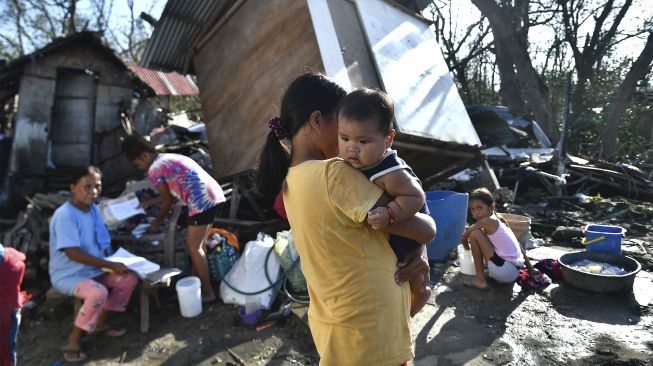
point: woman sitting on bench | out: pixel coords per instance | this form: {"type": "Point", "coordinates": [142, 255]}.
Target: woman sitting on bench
{"type": "Point", "coordinates": [79, 242]}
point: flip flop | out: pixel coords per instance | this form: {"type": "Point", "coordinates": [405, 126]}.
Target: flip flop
{"type": "Point", "coordinates": [78, 354]}
{"type": "Point", "coordinates": [112, 332]}
{"type": "Point", "coordinates": [474, 286]}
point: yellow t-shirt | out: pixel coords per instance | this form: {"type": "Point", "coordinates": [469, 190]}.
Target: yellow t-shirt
{"type": "Point", "coordinates": [358, 315]}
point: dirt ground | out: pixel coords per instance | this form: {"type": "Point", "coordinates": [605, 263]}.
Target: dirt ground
{"type": "Point", "coordinates": [559, 325]}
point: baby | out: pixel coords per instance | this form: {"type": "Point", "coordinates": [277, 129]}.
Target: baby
{"type": "Point", "coordinates": [365, 135]}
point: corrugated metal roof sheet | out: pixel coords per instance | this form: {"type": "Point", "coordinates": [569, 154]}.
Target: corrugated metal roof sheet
{"type": "Point", "coordinates": [165, 83]}
{"type": "Point", "coordinates": [171, 46]}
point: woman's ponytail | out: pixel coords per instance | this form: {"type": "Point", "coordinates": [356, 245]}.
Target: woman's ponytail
{"type": "Point", "coordinates": [273, 166]}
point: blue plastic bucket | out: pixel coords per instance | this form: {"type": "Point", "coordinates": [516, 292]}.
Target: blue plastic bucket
{"type": "Point", "coordinates": [449, 210]}
{"type": "Point", "coordinates": [608, 238]}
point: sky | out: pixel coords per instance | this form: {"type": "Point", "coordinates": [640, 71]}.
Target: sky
{"type": "Point", "coordinates": [465, 13]}
{"type": "Point", "coordinates": [119, 16]}
{"type": "Point", "coordinates": [120, 9]}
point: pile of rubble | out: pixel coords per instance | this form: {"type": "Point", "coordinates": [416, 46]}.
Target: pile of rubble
{"type": "Point", "coordinates": [560, 221]}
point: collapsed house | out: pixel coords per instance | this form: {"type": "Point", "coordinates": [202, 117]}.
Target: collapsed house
{"type": "Point", "coordinates": [521, 155]}
{"type": "Point", "coordinates": [244, 53]}
{"type": "Point", "coordinates": [67, 105]}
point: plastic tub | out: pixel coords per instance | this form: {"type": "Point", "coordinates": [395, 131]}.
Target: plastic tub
{"type": "Point", "coordinates": [189, 294]}
{"type": "Point", "coordinates": [449, 210]}
{"type": "Point", "coordinates": [604, 238]}
{"type": "Point", "coordinates": [598, 282]}
{"type": "Point", "coordinates": [520, 226]}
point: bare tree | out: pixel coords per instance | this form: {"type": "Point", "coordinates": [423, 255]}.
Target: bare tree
{"type": "Point", "coordinates": [623, 96]}
{"type": "Point", "coordinates": [459, 48]}
{"type": "Point", "coordinates": [38, 22]}
{"type": "Point", "coordinates": [590, 50]}
{"type": "Point", "coordinates": [509, 22]}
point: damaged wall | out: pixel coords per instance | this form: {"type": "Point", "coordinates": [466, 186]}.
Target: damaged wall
{"type": "Point", "coordinates": [245, 53]}
{"type": "Point", "coordinates": [110, 86]}
{"type": "Point", "coordinates": [31, 125]}
{"type": "Point", "coordinates": [242, 70]}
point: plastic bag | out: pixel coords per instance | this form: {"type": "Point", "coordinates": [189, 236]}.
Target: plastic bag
{"type": "Point", "coordinates": [284, 246]}
{"type": "Point", "coordinates": [247, 279]}
{"type": "Point", "coordinates": [221, 257]}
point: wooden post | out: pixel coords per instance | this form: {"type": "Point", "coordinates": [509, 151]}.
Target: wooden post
{"type": "Point", "coordinates": [145, 309]}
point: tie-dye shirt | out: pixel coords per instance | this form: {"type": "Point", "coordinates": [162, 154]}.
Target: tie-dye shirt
{"type": "Point", "coordinates": [187, 181]}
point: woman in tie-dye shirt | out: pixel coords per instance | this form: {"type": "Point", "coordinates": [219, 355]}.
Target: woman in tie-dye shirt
{"type": "Point", "coordinates": [180, 176]}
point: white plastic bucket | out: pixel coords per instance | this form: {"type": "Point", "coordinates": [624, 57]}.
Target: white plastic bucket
{"type": "Point", "coordinates": [466, 261]}
{"type": "Point", "coordinates": [189, 294]}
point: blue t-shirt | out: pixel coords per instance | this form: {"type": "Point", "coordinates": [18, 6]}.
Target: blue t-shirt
{"type": "Point", "coordinates": [73, 228]}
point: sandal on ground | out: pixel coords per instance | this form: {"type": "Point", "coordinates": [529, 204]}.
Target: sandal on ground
{"type": "Point", "coordinates": [73, 354]}
{"type": "Point", "coordinates": [112, 332]}
{"type": "Point", "coordinates": [474, 286]}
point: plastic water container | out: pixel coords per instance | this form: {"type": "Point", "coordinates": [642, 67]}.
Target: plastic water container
{"type": "Point", "coordinates": [466, 261]}
{"type": "Point", "coordinates": [520, 226]}
{"type": "Point", "coordinates": [449, 210]}
{"type": "Point", "coordinates": [189, 294]}
{"type": "Point", "coordinates": [611, 241]}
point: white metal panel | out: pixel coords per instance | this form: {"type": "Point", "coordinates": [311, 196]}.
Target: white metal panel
{"type": "Point", "coordinates": [415, 75]}
{"type": "Point", "coordinates": [327, 41]}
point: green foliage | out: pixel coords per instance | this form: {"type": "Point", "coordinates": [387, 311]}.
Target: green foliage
{"type": "Point", "coordinates": [585, 130]}
{"type": "Point", "coordinates": [191, 104]}
{"type": "Point", "coordinates": [634, 133]}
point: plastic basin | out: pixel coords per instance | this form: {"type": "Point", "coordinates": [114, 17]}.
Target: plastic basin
{"type": "Point", "coordinates": [598, 282]}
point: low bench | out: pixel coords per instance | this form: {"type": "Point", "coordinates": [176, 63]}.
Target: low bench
{"type": "Point", "coordinates": [146, 287]}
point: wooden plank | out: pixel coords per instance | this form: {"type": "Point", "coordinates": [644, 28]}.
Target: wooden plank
{"type": "Point", "coordinates": [242, 72]}
{"type": "Point", "coordinates": [355, 51]}
{"type": "Point", "coordinates": [145, 310]}
{"type": "Point", "coordinates": [161, 276]}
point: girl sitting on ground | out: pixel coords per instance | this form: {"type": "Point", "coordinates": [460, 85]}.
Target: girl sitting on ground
{"type": "Point", "coordinates": [79, 242]}
{"type": "Point", "coordinates": [492, 242]}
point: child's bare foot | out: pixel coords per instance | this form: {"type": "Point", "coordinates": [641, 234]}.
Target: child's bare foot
{"type": "Point", "coordinates": [477, 285]}
{"type": "Point", "coordinates": [418, 300]}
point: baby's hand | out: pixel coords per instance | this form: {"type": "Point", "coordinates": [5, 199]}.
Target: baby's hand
{"type": "Point", "coordinates": [379, 218]}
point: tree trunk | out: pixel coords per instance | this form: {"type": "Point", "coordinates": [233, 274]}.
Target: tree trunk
{"type": "Point", "coordinates": [536, 92]}
{"type": "Point", "coordinates": [621, 98]}
{"type": "Point", "coordinates": [510, 91]}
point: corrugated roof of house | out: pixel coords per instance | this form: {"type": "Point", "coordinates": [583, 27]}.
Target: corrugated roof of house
{"type": "Point", "coordinates": [165, 83]}
{"type": "Point", "coordinates": [182, 22]}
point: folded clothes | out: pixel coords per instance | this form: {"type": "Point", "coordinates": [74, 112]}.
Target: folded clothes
{"type": "Point", "coordinates": [551, 268]}
{"type": "Point", "coordinates": [527, 282]}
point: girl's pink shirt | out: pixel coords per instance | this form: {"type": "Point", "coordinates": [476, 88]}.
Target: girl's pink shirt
{"type": "Point", "coordinates": [506, 245]}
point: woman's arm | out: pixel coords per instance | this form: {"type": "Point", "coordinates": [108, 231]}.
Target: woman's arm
{"type": "Point", "coordinates": [77, 255]}
{"type": "Point", "coordinates": [420, 227]}
{"type": "Point", "coordinates": [166, 205]}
